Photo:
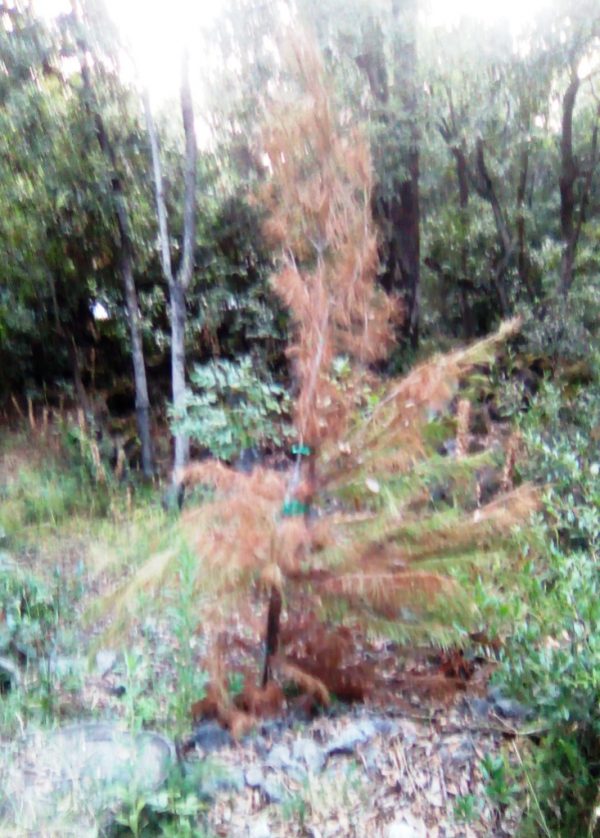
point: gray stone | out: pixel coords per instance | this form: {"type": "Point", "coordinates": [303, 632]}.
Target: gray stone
{"type": "Point", "coordinates": [307, 751]}
{"type": "Point", "coordinates": [81, 772]}
{"type": "Point", "coordinates": [221, 781]}
{"type": "Point", "coordinates": [479, 707]}
{"type": "Point", "coordinates": [255, 777]}
{"type": "Point", "coordinates": [260, 829]}
{"type": "Point", "coordinates": [508, 708]}
{"type": "Point", "coordinates": [106, 660]}
{"type": "Point", "coordinates": [386, 727]}
{"type": "Point", "coordinates": [406, 826]}
{"type": "Point", "coordinates": [461, 754]}
{"type": "Point", "coordinates": [279, 758]}
{"type": "Point", "coordinates": [356, 733]}
{"type": "Point", "coordinates": [210, 736]}
{"type": "Point", "coordinates": [273, 790]}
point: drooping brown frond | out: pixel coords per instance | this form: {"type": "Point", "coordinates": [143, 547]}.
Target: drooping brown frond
{"type": "Point", "coordinates": [307, 683]}
{"type": "Point", "coordinates": [387, 592]}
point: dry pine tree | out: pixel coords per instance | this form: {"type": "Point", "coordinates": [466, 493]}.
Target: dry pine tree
{"type": "Point", "coordinates": [347, 531]}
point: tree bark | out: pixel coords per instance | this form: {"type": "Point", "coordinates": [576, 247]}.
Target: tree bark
{"type": "Point", "coordinates": [463, 202]}
{"type": "Point", "coordinates": [178, 318]}
{"type": "Point", "coordinates": [567, 178]}
{"type": "Point", "coordinates": [571, 217]}
{"type": "Point", "coordinates": [142, 401]}
{"type": "Point", "coordinates": [485, 188]}
{"type": "Point", "coordinates": [396, 203]}
{"type": "Point", "coordinates": [403, 267]}
{"type": "Point", "coordinates": [177, 283]}
{"type": "Point", "coordinates": [523, 261]}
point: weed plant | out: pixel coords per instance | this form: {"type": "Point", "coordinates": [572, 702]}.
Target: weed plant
{"type": "Point", "coordinates": [552, 659]}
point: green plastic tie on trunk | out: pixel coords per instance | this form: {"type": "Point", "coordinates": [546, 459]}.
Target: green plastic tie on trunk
{"type": "Point", "coordinates": [293, 507]}
{"type": "Point", "coordinates": [301, 450]}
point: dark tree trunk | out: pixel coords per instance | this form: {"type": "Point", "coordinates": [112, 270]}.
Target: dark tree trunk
{"type": "Point", "coordinates": [403, 264]}
{"type": "Point", "coordinates": [571, 217]}
{"type": "Point", "coordinates": [567, 178]}
{"type": "Point", "coordinates": [463, 202]}
{"type": "Point", "coordinates": [523, 261]}
{"type": "Point", "coordinates": [484, 185]}
{"type": "Point", "coordinates": [396, 202]}
{"type": "Point", "coordinates": [272, 633]}
{"type": "Point", "coordinates": [142, 401]}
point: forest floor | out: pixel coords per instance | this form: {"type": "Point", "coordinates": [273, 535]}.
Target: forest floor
{"type": "Point", "coordinates": [432, 762]}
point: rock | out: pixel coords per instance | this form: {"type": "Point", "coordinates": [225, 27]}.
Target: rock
{"type": "Point", "coordinates": [118, 691]}
{"type": "Point", "coordinates": [448, 448]}
{"type": "Point", "coordinates": [106, 660]}
{"type": "Point", "coordinates": [273, 790]}
{"type": "Point", "coordinates": [479, 707]}
{"type": "Point", "coordinates": [458, 752]}
{"type": "Point", "coordinates": [307, 751]}
{"type": "Point", "coordinates": [62, 780]}
{"type": "Point", "coordinates": [508, 708]}
{"type": "Point", "coordinates": [210, 736]}
{"type": "Point", "coordinates": [408, 730]}
{"type": "Point", "coordinates": [260, 829]}
{"type": "Point", "coordinates": [357, 733]}
{"type": "Point", "coordinates": [255, 777]}
{"type": "Point", "coordinates": [279, 758]}
{"type": "Point", "coordinates": [386, 727]}
{"type": "Point", "coordinates": [222, 780]}
{"type": "Point", "coordinates": [406, 826]}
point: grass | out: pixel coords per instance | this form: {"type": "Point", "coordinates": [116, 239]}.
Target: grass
{"type": "Point", "coordinates": [66, 539]}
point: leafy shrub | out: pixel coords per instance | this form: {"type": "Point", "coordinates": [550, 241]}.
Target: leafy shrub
{"type": "Point", "coordinates": [232, 406]}
{"type": "Point", "coordinates": [553, 662]}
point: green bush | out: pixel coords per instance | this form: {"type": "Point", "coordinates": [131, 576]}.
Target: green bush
{"type": "Point", "coordinates": [553, 657]}
{"type": "Point", "coordinates": [233, 406]}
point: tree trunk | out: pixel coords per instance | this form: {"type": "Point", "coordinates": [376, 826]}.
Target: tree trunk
{"type": "Point", "coordinates": [396, 202]}
{"type": "Point", "coordinates": [403, 264]}
{"type": "Point", "coordinates": [523, 261]}
{"type": "Point", "coordinates": [178, 318]}
{"type": "Point", "coordinates": [485, 188]}
{"type": "Point", "coordinates": [567, 178]}
{"type": "Point", "coordinates": [178, 283]}
{"type": "Point", "coordinates": [463, 202]}
{"type": "Point", "coordinates": [142, 401]}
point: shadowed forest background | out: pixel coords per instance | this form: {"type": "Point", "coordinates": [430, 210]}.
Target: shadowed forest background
{"type": "Point", "coordinates": [305, 358]}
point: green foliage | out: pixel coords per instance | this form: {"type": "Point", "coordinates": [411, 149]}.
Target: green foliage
{"type": "Point", "coordinates": [173, 811]}
{"type": "Point", "coordinates": [183, 620]}
{"type": "Point", "coordinates": [553, 657]}
{"type": "Point", "coordinates": [498, 785]}
{"type": "Point", "coordinates": [32, 638]}
{"type": "Point", "coordinates": [466, 808]}
{"type": "Point", "coordinates": [233, 407]}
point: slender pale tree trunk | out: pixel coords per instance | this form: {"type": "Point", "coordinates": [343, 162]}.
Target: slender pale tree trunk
{"type": "Point", "coordinates": [178, 283]}
{"type": "Point", "coordinates": [178, 318]}
{"type": "Point", "coordinates": [142, 401]}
